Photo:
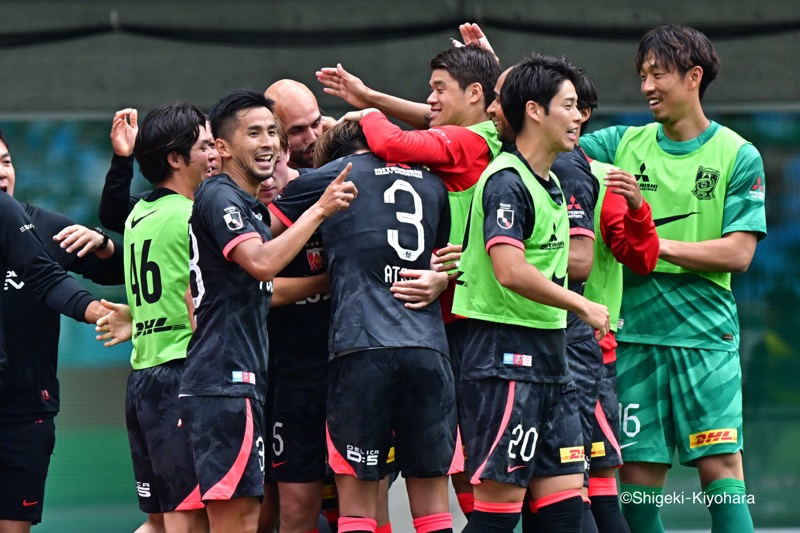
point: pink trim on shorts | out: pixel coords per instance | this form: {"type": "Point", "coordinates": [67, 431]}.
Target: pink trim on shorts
{"type": "Point", "coordinates": [235, 242]}
{"type": "Point", "coordinates": [226, 486]}
{"type": "Point", "coordinates": [605, 427]}
{"type": "Point", "coordinates": [193, 501]}
{"type": "Point", "coordinates": [337, 463]}
{"type": "Point", "coordinates": [457, 465]}
{"type": "Point", "coordinates": [476, 478]}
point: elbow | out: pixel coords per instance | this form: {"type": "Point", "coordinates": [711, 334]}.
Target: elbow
{"type": "Point", "coordinates": [506, 278]}
{"type": "Point", "coordinates": [741, 265]}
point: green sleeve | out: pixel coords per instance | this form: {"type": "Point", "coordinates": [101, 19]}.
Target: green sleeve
{"type": "Point", "coordinates": [601, 145]}
{"type": "Point", "coordinates": [744, 201]}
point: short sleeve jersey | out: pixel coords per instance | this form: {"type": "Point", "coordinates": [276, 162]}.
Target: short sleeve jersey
{"type": "Point", "coordinates": [581, 191]}
{"type": "Point", "coordinates": [674, 297]}
{"type": "Point", "coordinates": [400, 216]}
{"type": "Point", "coordinates": [227, 355]}
{"type": "Point", "coordinates": [510, 351]}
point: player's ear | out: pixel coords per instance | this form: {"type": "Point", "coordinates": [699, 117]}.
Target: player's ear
{"type": "Point", "coordinates": [174, 160]}
{"type": "Point", "coordinates": [222, 147]}
{"type": "Point", "coordinates": [694, 76]}
{"type": "Point", "coordinates": [532, 110]}
{"type": "Point", "coordinates": [475, 93]}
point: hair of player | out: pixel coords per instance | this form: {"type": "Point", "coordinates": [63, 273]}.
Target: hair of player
{"type": "Point", "coordinates": [537, 78]}
{"type": "Point", "coordinates": [587, 97]}
{"type": "Point", "coordinates": [341, 140]}
{"type": "Point", "coordinates": [165, 130]}
{"type": "Point", "coordinates": [225, 113]}
{"type": "Point", "coordinates": [678, 47]}
{"type": "Point", "coordinates": [283, 139]}
{"type": "Point", "coordinates": [3, 139]}
{"type": "Point", "coordinates": [470, 64]}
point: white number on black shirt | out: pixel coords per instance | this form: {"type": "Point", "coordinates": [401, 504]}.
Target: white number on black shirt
{"type": "Point", "coordinates": [413, 219]}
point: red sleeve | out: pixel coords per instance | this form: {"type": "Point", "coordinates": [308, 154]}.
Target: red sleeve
{"type": "Point", "coordinates": [631, 235]}
{"type": "Point", "coordinates": [457, 155]}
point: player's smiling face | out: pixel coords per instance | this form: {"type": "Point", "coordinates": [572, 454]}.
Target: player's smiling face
{"type": "Point", "coordinates": [253, 146]}
{"type": "Point", "coordinates": [203, 156]}
{"type": "Point", "coordinates": [665, 90]}
{"type": "Point", "coordinates": [7, 175]}
{"type": "Point", "coordinates": [449, 103]}
{"type": "Point", "coordinates": [562, 122]}
{"type": "Point", "coordinates": [495, 110]}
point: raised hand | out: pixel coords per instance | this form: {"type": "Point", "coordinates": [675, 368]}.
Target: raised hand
{"type": "Point", "coordinates": [624, 183]}
{"type": "Point", "coordinates": [338, 195]}
{"type": "Point", "coordinates": [124, 128]}
{"type": "Point", "coordinates": [339, 82]}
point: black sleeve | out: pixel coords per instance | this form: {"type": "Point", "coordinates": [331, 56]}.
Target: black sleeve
{"type": "Point", "coordinates": [116, 201]}
{"type": "Point", "coordinates": [303, 192]}
{"type": "Point", "coordinates": [24, 252]}
{"type": "Point", "coordinates": [107, 271]}
{"type": "Point", "coordinates": [508, 209]}
{"type": "Point", "coordinates": [581, 190]}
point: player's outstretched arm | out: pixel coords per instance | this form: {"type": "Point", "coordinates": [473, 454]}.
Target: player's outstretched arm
{"type": "Point", "coordinates": [116, 325]}
{"type": "Point", "coordinates": [286, 291]}
{"type": "Point", "coordinates": [115, 201]}
{"type": "Point", "coordinates": [264, 260]}
{"type": "Point", "coordinates": [351, 89]}
{"type": "Point", "coordinates": [515, 273]}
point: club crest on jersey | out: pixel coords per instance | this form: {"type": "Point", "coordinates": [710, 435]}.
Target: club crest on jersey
{"type": "Point", "coordinates": [505, 216]}
{"type": "Point", "coordinates": [705, 182]}
{"type": "Point", "coordinates": [233, 219]}
{"type": "Point", "coordinates": [315, 259]}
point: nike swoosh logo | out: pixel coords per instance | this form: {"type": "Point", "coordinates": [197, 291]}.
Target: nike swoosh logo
{"type": "Point", "coordinates": [276, 465]}
{"type": "Point", "coordinates": [135, 221]}
{"type": "Point", "coordinates": [666, 220]}
{"type": "Point", "coordinates": [629, 444]}
{"type": "Point", "coordinates": [512, 468]}
{"type": "Point", "coordinates": [26, 503]}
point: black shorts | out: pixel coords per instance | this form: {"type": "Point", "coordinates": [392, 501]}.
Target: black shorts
{"type": "Point", "coordinates": [456, 340]}
{"type": "Point", "coordinates": [162, 460]}
{"type": "Point", "coordinates": [605, 439]}
{"type": "Point", "coordinates": [226, 435]}
{"type": "Point", "coordinates": [25, 450]}
{"type": "Point", "coordinates": [298, 434]}
{"type": "Point", "coordinates": [515, 430]}
{"type": "Point", "coordinates": [385, 396]}
{"type": "Point", "coordinates": [585, 361]}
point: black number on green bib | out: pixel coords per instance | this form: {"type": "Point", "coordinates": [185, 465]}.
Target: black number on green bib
{"type": "Point", "coordinates": [145, 281]}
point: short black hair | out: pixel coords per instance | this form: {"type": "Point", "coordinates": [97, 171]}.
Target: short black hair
{"type": "Point", "coordinates": [587, 97]}
{"type": "Point", "coordinates": [173, 128]}
{"type": "Point", "coordinates": [225, 112]}
{"type": "Point", "coordinates": [680, 48]}
{"type": "Point", "coordinates": [537, 78]}
{"type": "Point", "coordinates": [341, 140]}
{"type": "Point", "coordinates": [3, 138]}
{"type": "Point", "coordinates": [470, 64]}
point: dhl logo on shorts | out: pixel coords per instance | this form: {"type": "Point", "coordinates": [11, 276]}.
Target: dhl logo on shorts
{"type": "Point", "coordinates": [598, 449]}
{"type": "Point", "coordinates": [572, 455]}
{"type": "Point", "coordinates": [713, 436]}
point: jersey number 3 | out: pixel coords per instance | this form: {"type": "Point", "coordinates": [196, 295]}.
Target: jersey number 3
{"type": "Point", "coordinates": [414, 219]}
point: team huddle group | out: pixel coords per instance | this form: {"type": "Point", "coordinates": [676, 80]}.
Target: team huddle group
{"type": "Point", "coordinates": [314, 301]}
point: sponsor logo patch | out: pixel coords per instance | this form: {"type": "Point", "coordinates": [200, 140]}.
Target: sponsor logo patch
{"type": "Point", "coordinates": [713, 436]}
{"type": "Point", "coordinates": [517, 359]}
{"type": "Point", "coordinates": [240, 376]}
{"type": "Point", "coordinates": [572, 455]}
{"type": "Point", "coordinates": [644, 180]}
{"type": "Point", "coordinates": [598, 449]}
{"type": "Point", "coordinates": [505, 216]}
{"type": "Point", "coordinates": [757, 190]}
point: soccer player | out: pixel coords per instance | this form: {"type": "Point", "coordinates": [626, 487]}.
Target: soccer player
{"type": "Point", "coordinates": [458, 146]}
{"type": "Point", "coordinates": [174, 149]}
{"type": "Point", "coordinates": [379, 346]}
{"type": "Point", "coordinates": [511, 285]}
{"type": "Point", "coordinates": [680, 376]}
{"type": "Point", "coordinates": [232, 263]}
{"type": "Point", "coordinates": [37, 290]}
{"type": "Point", "coordinates": [297, 109]}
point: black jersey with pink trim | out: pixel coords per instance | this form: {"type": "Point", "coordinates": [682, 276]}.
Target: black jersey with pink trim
{"type": "Point", "coordinates": [400, 216]}
{"type": "Point", "coordinates": [227, 355]}
{"type": "Point", "coordinates": [581, 190]}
